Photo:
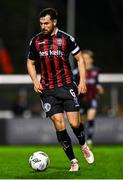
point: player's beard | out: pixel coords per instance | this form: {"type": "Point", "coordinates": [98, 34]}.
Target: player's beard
{"type": "Point", "coordinates": [48, 33]}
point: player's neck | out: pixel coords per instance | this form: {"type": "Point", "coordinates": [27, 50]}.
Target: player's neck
{"type": "Point", "coordinates": [54, 31]}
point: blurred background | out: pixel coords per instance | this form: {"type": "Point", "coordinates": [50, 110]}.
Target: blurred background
{"type": "Point", "coordinates": [96, 25]}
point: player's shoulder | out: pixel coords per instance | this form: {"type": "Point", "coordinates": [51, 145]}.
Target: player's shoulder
{"type": "Point", "coordinates": [36, 36]}
{"type": "Point", "coordinates": [95, 70]}
{"type": "Point", "coordinates": [66, 35]}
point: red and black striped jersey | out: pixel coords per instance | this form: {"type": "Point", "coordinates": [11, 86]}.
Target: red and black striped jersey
{"type": "Point", "coordinates": [53, 54]}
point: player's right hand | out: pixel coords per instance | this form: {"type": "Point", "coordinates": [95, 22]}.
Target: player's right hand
{"type": "Point", "coordinates": [38, 87]}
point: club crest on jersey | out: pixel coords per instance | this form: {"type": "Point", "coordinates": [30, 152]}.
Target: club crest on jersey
{"type": "Point", "coordinates": [47, 107]}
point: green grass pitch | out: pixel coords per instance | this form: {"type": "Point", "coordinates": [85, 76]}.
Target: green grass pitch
{"type": "Point", "coordinates": [14, 163]}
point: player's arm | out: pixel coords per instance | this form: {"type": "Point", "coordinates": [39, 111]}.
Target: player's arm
{"type": "Point", "coordinates": [31, 59]}
{"type": "Point", "coordinates": [82, 72]}
{"type": "Point", "coordinates": [75, 50]}
{"type": "Point", "coordinates": [32, 72]}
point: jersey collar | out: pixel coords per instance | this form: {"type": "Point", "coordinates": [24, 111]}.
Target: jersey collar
{"type": "Point", "coordinates": [55, 32]}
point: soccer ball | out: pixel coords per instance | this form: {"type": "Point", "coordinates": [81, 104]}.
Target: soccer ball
{"type": "Point", "coordinates": [39, 161]}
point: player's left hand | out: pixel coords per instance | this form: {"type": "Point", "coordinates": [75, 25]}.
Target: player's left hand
{"type": "Point", "coordinates": [82, 89]}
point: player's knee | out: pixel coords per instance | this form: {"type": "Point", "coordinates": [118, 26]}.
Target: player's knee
{"type": "Point", "coordinates": [59, 123]}
{"type": "Point", "coordinates": [74, 124]}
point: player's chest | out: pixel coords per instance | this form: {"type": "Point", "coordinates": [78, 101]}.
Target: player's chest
{"type": "Point", "coordinates": [52, 44]}
{"type": "Point", "coordinates": [54, 47]}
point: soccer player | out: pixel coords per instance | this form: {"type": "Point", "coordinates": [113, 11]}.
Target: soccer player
{"type": "Point", "coordinates": [58, 93]}
{"type": "Point", "coordinates": [88, 101]}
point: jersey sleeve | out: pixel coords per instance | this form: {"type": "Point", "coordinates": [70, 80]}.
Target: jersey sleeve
{"type": "Point", "coordinates": [32, 54]}
{"type": "Point", "coordinates": [74, 48]}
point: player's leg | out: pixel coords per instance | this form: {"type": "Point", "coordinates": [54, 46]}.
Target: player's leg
{"type": "Point", "coordinates": [77, 127]}
{"type": "Point", "coordinates": [91, 113]}
{"type": "Point", "coordinates": [64, 139]}
{"type": "Point", "coordinates": [54, 109]}
{"type": "Point", "coordinates": [78, 130]}
{"type": "Point", "coordinates": [71, 106]}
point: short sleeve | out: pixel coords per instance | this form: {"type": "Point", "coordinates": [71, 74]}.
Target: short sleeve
{"type": "Point", "coordinates": [74, 48]}
{"type": "Point", "coordinates": [32, 54]}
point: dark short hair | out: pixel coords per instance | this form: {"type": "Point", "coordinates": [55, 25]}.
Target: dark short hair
{"type": "Point", "coordinates": [49, 11]}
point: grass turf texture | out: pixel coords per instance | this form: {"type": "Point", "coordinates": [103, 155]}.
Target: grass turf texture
{"type": "Point", "coordinates": [14, 163]}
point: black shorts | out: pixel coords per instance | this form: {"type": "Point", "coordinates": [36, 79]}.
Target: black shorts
{"type": "Point", "coordinates": [86, 105]}
{"type": "Point", "coordinates": [60, 99]}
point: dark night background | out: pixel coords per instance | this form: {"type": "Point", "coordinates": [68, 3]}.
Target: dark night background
{"type": "Point", "coordinates": [99, 25]}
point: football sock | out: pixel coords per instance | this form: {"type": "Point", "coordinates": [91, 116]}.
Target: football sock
{"type": "Point", "coordinates": [65, 142]}
{"type": "Point", "coordinates": [90, 129]}
{"type": "Point", "coordinates": [80, 134]}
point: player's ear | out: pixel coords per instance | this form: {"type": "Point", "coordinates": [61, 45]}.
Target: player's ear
{"type": "Point", "coordinates": [55, 22]}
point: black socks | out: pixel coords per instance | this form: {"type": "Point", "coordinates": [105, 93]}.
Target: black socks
{"type": "Point", "coordinates": [80, 134]}
{"type": "Point", "coordinates": [90, 129]}
{"type": "Point", "coordinates": [65, 141]}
